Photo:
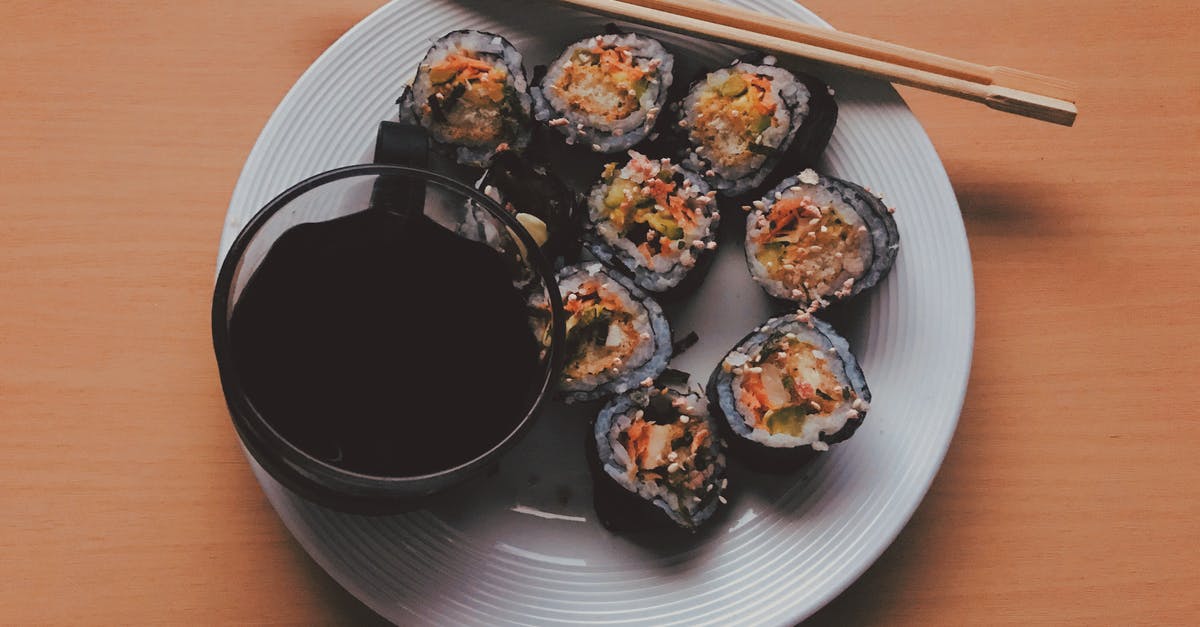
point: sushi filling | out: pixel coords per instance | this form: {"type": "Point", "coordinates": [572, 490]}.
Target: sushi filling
{"type": "Point", "coordinates": [652, 213]}
{"type": "Point", "coordinates": [738, 117]}
{"type": "Point", "coordinates": [471, 102]}
{"type": "Point", "coordinates": [663, 448]}
{"type": "Point", "coordinates": [607, 332]}
{"type": "Point", "coordinates": [604, 82]}
{"type": "Point", "coordinates": [790, 392]}
{"type": "Point", "coordinates": [808, 244]}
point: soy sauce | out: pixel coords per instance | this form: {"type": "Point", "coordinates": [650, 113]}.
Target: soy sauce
{"type": "Point", "coordinates": [384, 346]}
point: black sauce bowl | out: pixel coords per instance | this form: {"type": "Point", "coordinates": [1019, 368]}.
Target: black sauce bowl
{"type": "Point", "coordinates": [346, 191]}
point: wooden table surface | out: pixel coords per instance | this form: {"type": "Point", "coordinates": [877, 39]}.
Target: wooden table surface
{"type": "Point", "coordinates": [1071, 493]}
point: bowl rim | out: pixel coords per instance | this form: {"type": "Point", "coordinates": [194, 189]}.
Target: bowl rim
{"type": "Point", "coordinates": [245, 415]}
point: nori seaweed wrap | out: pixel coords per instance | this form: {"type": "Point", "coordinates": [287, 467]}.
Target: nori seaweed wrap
{"type": "Point", "coordinates": [616, 336]}
{"type": "Point", "coordinates": [471, 94]}
{"type": "Point", "coordinates": [788, 390]}
{"type": "Point", "coordinates": [656, 460]}
{"type": "Point", "coordinates": [815, 239]}
{"type": "Point", "coordinates": [655, 220]}
{"type": "Point", "coordinates": [539, 200]}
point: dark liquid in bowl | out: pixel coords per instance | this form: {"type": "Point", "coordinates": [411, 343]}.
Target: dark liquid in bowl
{"type": "Point", "coordinates": [385, 348]}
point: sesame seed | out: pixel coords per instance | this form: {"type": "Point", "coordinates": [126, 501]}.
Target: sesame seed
{"type": "Point", "coordinates": [673, 467]}
{"type": "Point", "coordinates": [758, 204]}
{"type": "Point", "coordinates": [722, 499]}
{"type": "Point", "coordinates": [711, 246]}
{"type": "Point", "coordinates": [672, 456]}
{"type": "Point", "coordinates": [597, 148]}
{"type": "Point", "coordinates": [851, 415]}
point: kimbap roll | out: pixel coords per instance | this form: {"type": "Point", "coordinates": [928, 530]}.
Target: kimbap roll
{"type": "Point", "coordinates": [742, 122]}
{"type": "Point", "coordinates": [654, 219]}
{"type": "Point", "coordinates": [787, 390]}
{"type": "Point", "coordinates": [616, 336]}
{"type": "Point", "coordinates": [605, 92]}
{"type": "Point", "coordinates": [656, 460]}
{"type": "Point", "coordinates": [815, 239]}
{"type": "Point", "coordinates": [471, 94]}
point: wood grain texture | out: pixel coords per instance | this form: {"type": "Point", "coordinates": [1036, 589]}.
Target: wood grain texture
{"type": "Point", "coordinates": [1071, 494]}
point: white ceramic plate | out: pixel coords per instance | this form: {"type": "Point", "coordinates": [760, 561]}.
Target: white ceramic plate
{"type": "Point", "coordinates": [523, 546]}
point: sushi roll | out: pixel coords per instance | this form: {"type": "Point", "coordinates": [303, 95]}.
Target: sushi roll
{"type": "Point", "coordinates": [742, 122]}
{"type": "Point", "coordinates": [471, 94]}
{"type": "Point", "coordinates": [654, 219]}
{"type": "Point", "coordinates": [816, 239]}
{"type": "Point", "coordinates": [656, 460]}
{"type": "Point", "coordinates": [539, 200]}
{"type": "Point", "coordinates": [786, 391]}
{"type": "Point", "coordinates": [605, 92]}
{"type": "Point", "coordinates": [616, 336]}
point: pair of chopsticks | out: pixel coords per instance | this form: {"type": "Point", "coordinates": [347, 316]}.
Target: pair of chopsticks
{"type": "Point", "coordinates": [1005, 89]}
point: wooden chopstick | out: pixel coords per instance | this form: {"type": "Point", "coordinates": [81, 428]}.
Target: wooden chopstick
{"type": "Point", "coordinates": [1004, 89]}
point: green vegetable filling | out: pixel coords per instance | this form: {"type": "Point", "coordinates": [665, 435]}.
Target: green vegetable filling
{"type": "Point", "coordinates": [789, 420]}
